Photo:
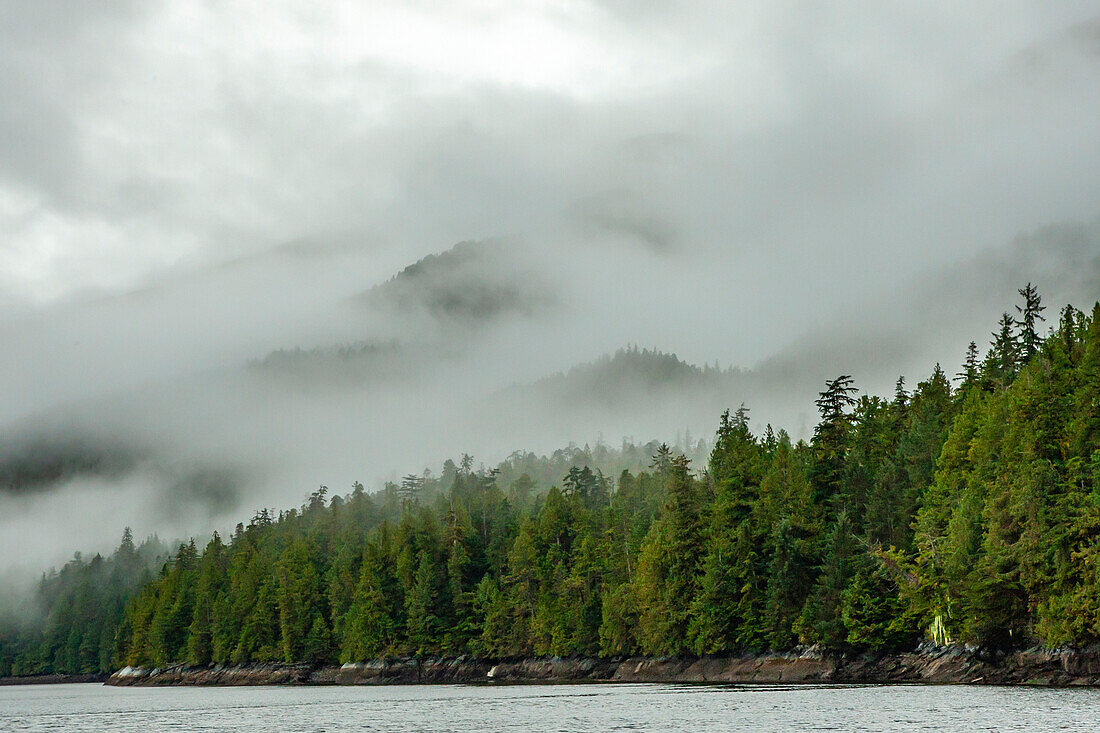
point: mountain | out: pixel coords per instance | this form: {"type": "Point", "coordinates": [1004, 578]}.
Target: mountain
{"type": "Point", "coordinates": [630, 373]}
{"type": "Point", "coordinates": [471, 283]}
{"type": "Point", "coordinates": [33, 464]}
{"type": "Point", "coordinates": [335, 365]}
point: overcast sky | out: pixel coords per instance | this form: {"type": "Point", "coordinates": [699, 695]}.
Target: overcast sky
{"type": "Point", "coordinates": [143, 137]}
{"type": "Point", "coordinates": [186, 186]}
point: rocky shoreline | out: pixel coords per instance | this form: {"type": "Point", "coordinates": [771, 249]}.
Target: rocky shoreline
{"type": "Point", "coordinates": [53, 679]}
{"type": "Point", "coordinates": [928, 664]}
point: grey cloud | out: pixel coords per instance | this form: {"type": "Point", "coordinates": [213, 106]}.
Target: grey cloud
{"type": "Point", "coordinates": [215, 492]}
{"type": "Point", "coordinates": [30, 464]}
{"type": "Point", "coordinates": [34, 467]}
{"type": "Point", "coordinates": [901, 332]}
{"type": "Point", "coordinates": [620, 212]}
{"type": "Point", "coordinates": [727, 182]}
{"type": "Point", "coordinates": [55, 58]}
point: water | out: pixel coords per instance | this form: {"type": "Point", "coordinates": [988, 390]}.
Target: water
{"type": "Point", "coordinates": [582, 708]}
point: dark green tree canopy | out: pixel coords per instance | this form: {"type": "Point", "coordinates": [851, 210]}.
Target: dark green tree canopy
{"type": "Point", "coordinates": [956, 515]}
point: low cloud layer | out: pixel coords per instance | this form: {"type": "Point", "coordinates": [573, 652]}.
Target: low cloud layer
{"type": "Point", "coordinates": [228, 257]}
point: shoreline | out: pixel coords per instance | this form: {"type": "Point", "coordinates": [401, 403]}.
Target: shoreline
{"type": "Point", "coordinates": [54, 679]}
{"type": "Point", "coordinates": [927, 664]}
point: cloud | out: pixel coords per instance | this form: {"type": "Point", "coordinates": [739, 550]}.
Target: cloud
{"type": "Point", "coordinates": [622, 213]}
{"type": "Point", "coordinates": [935, 315]}
{"type": "Point", "coordinates": [39, 463]}
{"type": "Point", "coordinates": [190, 189]}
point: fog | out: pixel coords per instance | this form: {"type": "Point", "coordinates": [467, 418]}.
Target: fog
{"type": "Point", "coordinates": [214, 220]}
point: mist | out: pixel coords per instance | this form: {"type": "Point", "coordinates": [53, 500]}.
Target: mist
{"type": "Point", "coordinates": [238, 264]}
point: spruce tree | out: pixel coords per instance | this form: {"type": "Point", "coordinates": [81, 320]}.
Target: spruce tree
{"type": "Point", "coordinates": [1031, 312]}
{"type": "Point", "coordinates": [1002, 360]}
{"type": "Point", "coordinates": [831, 437]}
{"type": "Point", "coordinates": [969, 376]}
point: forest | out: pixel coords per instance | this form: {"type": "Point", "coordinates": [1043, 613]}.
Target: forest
{"type": "Point", "coordinates": [965, 509]}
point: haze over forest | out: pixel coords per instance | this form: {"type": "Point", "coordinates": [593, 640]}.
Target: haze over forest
{"type": "Point", "coordinates": [236, 263]}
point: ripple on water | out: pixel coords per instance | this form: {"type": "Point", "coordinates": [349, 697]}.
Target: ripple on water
{"type": "Point", "coordinates": [565, 708]}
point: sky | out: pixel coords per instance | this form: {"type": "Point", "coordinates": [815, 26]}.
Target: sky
{"type": "Point", "coordinates": [796, 189]}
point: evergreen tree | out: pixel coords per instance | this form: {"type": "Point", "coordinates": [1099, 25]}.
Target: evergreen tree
{"type": "Point", "coordinates": [369, 627]}
{"type": "Point", "coordinates": [822, 619]}
{"type": "Point", "coordinates": [830, 441]}
{"type": "Point", "coordinates": [1031, 312]}
{"type": "Point", "coordinates": [1004, 353]}
{"type": "Point", "coordinates": [970, 375]}
{"type": "Point", "coordinates": [668, 568]}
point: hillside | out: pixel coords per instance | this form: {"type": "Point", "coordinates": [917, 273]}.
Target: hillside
{"type": "Point", "coordinates": [471, 283]}
{"type": "Point", "coordinates": [965, 513]}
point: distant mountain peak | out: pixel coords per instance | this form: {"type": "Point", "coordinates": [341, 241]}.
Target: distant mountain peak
{"type": "Point", "coordinates": [471, 283]}
{"type": "Point", "coordinates": [620, 376]}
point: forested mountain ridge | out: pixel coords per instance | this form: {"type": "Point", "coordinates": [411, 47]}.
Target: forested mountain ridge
{"type": "Point", "coordinates": [472, 282]}
{"type": "Point", "coordinates": [630, 374]}
{"type": "Point", "coordinates": [967, 513]}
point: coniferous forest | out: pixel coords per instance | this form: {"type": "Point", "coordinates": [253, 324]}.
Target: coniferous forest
{"type": "Point", "coordinates": [962, 509]}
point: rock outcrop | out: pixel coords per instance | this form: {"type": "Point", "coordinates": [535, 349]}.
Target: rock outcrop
{"type": "Point", "coordinates": [927, 663]}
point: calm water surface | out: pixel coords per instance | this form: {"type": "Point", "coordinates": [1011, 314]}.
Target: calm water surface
{"type": "Point", "coordinates": [582, 708]}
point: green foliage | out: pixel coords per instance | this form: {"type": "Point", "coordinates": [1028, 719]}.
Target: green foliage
{"type": "Point", "coordinates": [669, 564]}
{"type": "Point", "coordinates": [81, 613]}
{"type": "Point", "coordinates": [968, 514]}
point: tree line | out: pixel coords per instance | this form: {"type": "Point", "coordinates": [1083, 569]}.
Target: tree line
{"type": "Point", "coordinates": [962, 510]}
{"type": "Point", "coordinates": [71, 626]}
